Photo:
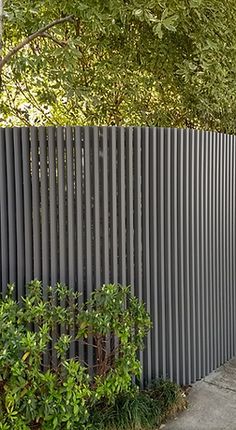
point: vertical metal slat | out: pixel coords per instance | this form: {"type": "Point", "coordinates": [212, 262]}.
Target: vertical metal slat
{"type": "Point", "coordinates": [209, 253]}
{"type": "Point", "coordinates": [88, 236]}
{"type": "Point", "coordinates": [63, 257]}
{"type": "Point", "coordinates": [37, 264]}
{"type": "Point", "coordinates": [146, 245]}
{"type": "Point", "coordinates": [10, 171]}
{"type": "Point", "coordinates": [105, 207]}
{"type": "Point", "coordinates": [28, 237]}
{"type": "Point", "coordinates": [192, 232]}
{"type": "Point", "coordinates": [153, 254]}
{"type": "Point", "coordinates": [206, 234]}
{"type": "Point", "coordinates": [168, 249]}
{"type": "Point", "coordinates": [197, 215]}
{"type": "Point", "coordinates": [138, 220]}
{"type": "Point", "coordinates": [162, 287]}
{"type": "Point", "coordinates": [130, 206]}
{"type": "Point", "coordinates": [53, 205]}
{"type": "Point", "coordinates": [97, 247]}
{"type": "Point", "coordinates": [113, 203]}
{"type": "Point", "coordinates": [202, 253]}
{"type": "Point", "coordinates": [79, 158]}
{"type": "Point", "coordinates": [121, 205]}
{"type": "Point", "coordinates": [44, 206]}
{"type": "Point", "coordinates": [19, 212]}
{"type": "Point", "coordinates": [214, 254]}
{"type": "Point", "coordinates": [4, 215]}
{"type": "Point", "coordinates": [186, 256]}
{"type": "Point", "coordinates": [181, 259]}
{"type": "Point", "coordinates": [175, 262]}
{"type": "Point", "coordinates": [70, 216]}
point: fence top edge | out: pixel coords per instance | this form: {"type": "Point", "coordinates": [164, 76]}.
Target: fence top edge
{"type": "Point", "coordinates": [128, 127]}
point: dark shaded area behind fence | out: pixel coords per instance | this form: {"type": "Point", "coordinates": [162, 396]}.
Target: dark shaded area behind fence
{"type": "Point", "coordinates": [150, 207]}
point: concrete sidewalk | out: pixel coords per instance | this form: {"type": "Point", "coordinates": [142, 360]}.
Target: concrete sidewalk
{"type": "Point", "coordinates": [212, 403]}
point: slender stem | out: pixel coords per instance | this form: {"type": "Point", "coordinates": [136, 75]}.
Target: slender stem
{"type": "Point", "coordinates": [30, 38]}
{"type": "Point", "coordinates": [58, 42]}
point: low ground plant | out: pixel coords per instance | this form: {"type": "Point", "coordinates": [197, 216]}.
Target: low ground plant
{"type": "Point", "coordinates": [141, 410]}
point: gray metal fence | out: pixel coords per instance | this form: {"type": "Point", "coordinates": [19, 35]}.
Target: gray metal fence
{"type": "Point", "coordinates": [150, 207]}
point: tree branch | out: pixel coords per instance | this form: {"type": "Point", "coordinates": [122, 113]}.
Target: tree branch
{"type": "Point", "coordinates": [30, 38]}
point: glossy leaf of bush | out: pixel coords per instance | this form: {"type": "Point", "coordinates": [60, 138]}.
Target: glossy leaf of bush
{"type": "Point", "coordinates": [35, 396]}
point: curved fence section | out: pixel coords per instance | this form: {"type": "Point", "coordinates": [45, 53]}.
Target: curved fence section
{"type": "Point", "coordinates": [149, 207]}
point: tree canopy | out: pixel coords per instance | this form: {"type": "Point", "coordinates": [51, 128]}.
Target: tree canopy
{"type": "Point", "coordinates": [120, 62]}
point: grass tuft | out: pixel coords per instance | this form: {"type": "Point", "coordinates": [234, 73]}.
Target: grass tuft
{"type": "Point", "coordinates": [141, 410]}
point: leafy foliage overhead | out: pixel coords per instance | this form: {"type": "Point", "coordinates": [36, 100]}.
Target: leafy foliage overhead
{"type": "Point", "coordinates": [147, 62]}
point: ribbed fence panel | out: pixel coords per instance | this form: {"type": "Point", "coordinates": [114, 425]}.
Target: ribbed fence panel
{"type": "Point", "coordinates": [150, 207]}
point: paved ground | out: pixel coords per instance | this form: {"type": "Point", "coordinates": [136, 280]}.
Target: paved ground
{"type": "Point", "coordinates": [212, 403]}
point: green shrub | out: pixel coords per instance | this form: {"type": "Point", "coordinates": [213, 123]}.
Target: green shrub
{"type": "Point", "coordinates": [37, 394]}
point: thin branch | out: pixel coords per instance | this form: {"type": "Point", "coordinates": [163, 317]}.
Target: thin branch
{"type": "Point", "coordinates": [30, 38]}
{"type": "Point", "coordinates": [31, 99]}
{"type": "Point", "coordinates": [58, 42]}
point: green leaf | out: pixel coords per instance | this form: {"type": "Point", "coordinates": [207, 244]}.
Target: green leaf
{"type": "Point", "coordinates": [169, 23]}
{"type": "Point", "coordinates": [157, 29]}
